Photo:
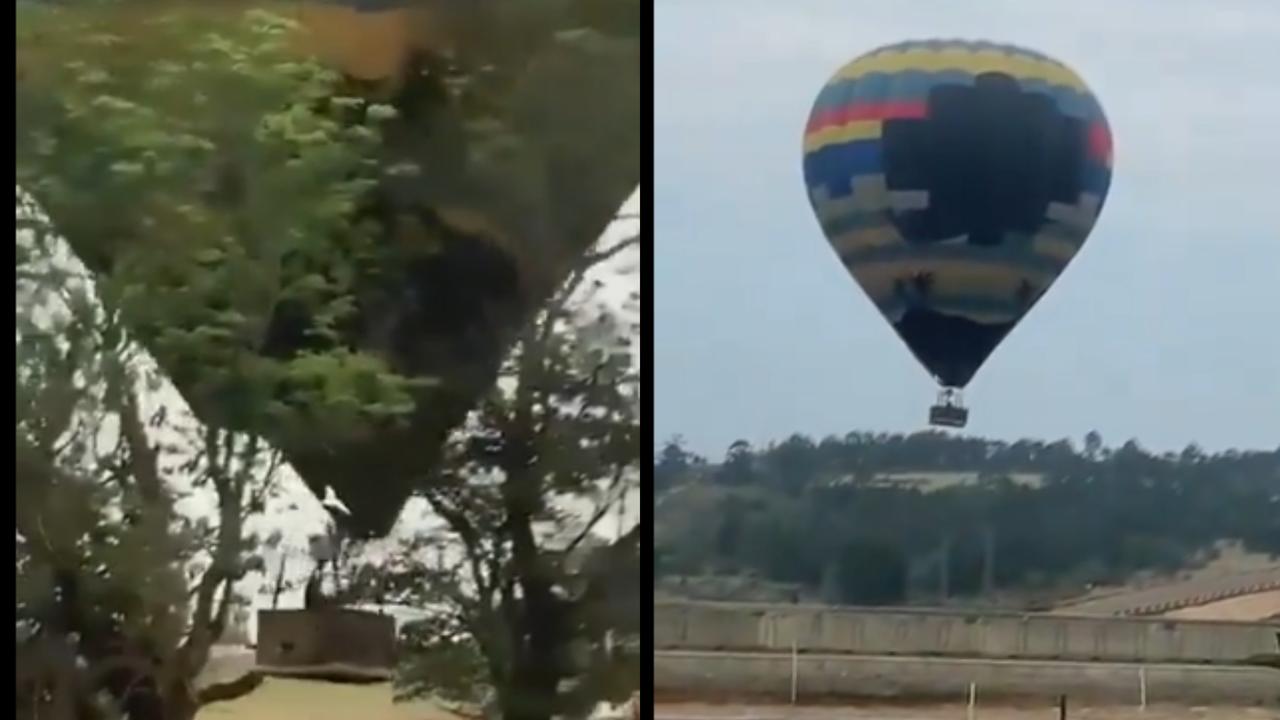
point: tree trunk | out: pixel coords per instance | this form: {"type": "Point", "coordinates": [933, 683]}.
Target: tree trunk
{"type": "Point", "coordinates": [180, 702]}
{"type": "Point", "coordinates": [531, 694]}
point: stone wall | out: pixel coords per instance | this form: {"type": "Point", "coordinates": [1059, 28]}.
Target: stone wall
{"type": "Point", "coordinates": [948, 633]}
{"type": "Point", "coordinates": [825, 678]}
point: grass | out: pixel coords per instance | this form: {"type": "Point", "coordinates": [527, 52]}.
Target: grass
{"type": "Point", "coordinates": [282, 698]}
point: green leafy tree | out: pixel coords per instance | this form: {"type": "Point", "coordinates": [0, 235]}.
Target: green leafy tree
{"type": "Point", "coordinates": [536, 618]}
{"type": "Point", "coordinates": [673, 465]}
{"type": "Point", "coordinates": [870, 572]}
{"type": "Point", "coordinates": [738, 467]}
{"type": "Point", "coordinates": [208, 170]}
{"type": "Point", "coordinates": [218, 227]}
{"type": "Point", "coordinates": [119, 594]}
{"type": "Point", "coordinates": [1051, 516]}
{"type": "Point", "coordinates": [795, 463]}
{"type": "Point", "coordinates": [1093, 446]}
{"type": "Point", "coordinates": [508, 137]}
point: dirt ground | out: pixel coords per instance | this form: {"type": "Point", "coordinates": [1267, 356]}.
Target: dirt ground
{"type": "Point", "coordinates": [281, 699]}
{"type": "Point", "coordinates": [689, 711]}
{"type": "Point", "coordinates": [1245, 608]}
{"type": "Point", "coordinates": [1232, 568]}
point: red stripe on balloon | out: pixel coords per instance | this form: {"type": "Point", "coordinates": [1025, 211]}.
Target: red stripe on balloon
{"type": "Point", "coordinates": [1100, 143]}
{"type": "Point", "coordinates": [866, 111]}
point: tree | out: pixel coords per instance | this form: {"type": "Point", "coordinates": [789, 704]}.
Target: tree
{"type": "Point", "coordinates": [1058, 516]}
{"type": "Point", "coordinates": [870, 572]}
{"type": "Point", "coordinates": [1191, 454]}
{"type": "Point", "coordinates": [510, 136]}
{"type": "Point", "coordinates": [729, 529]}
{"type": "Point", "coordinates": [739, 464]}
{"type": "Point", "coordinates": [131, 161]}
{"type": "Point", "coordinates": [672, 464]}
{"type": "Point", "coordinates": [120, 595]}
{"type": "Point", "coordinates": [536, 616]}
{"type": "Point", "coordinates": [793, 463]}
{"type": "Point", "coordinates": [1093, 445]}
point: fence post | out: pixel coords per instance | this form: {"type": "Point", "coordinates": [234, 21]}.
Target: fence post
{"type": "Point", "coordinates": [1062, 707]}
{"type": "Point", "coordinates": [795, 670]}
{"type": "Point", "coordinates": [973, 699]}
{"type": "Point", "coordinates": [1142, 686]}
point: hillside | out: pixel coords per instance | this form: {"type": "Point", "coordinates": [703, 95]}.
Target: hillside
{"type": "Point", "coordinates": [887, 519]}
{"type": "Point", "coordinates": [1234, 585]}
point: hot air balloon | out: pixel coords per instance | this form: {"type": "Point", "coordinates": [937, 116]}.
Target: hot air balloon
{"type": "Point", "coordinates": [956, 180]}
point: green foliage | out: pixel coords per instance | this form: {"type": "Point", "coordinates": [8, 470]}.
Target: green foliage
{"type": "Point", "coordinates": [537, 616]}
{"type": "Point", "coordinates": [213, 172]}
{"type": "Point", "coordinates": [671, 464]}
{"type": "Point", "coordinates": [869, 572]}
{"type": "Point", "coordinates": [847, 514]}
{"type": "Point", "coordinates": [200, 170]}
{"type": "Point", "coordinates": [247, 220]}
{"type": "Point", "coordinates": [99, 556]}
{"type": "Point", "coordinates": [445, 662]}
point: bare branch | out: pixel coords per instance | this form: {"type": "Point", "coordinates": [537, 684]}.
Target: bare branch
{"type": "Point", "coordinates": [592, 259]}
{"type": "Point", "coordinates": [589, 260]}
{"type": "Point", "coordinates": [601, 510]}
{"type": "Point", "coordinates": [143, 458]}
{"type": "Point", "coordinates": [471, 540]}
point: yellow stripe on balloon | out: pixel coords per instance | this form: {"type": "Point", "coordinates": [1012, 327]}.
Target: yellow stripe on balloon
{"type": "Point", "coordinates": [365, 45]}
{"type": "Point", "coordinates": [950, 277]}
{"type": "Point", "coordinates": [1054, 246]}
{"type": "Point", "coordinates": [849, 132]}
{"type": "Point", "coordinates": [866, 239]}
{"type": "Point", "coordinates": [1023, 67]}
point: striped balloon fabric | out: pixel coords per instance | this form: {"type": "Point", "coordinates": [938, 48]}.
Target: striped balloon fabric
{"type": "Point", "coordinates": [956, 180]}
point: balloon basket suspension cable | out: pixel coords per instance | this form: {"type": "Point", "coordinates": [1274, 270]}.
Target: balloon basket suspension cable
{"type": "Point", "coordinates": [949, 411]}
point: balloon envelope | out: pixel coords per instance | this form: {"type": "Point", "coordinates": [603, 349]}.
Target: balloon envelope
{"type": "Point", "coordinates": [956, 180]}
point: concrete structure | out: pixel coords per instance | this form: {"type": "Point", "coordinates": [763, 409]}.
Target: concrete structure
{"type": "Point", "coordinates": [768, 676]}
{"type": "Point", "coordinates": [951, 633]}
{"type": "Point", "coordinates": [330, 636]}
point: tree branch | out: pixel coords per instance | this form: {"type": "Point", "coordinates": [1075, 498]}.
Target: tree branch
{"type": "Point", "coordinates": [471, 541]}
{"type": "Point", "coordinates": [600, 512]}
{"type": "Point", "coordinates": [143, 458]}
{"type": "Point", "coordinates": [592, 259]}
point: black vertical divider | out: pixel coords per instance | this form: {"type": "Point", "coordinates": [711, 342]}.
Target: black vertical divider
{"type": "Point", "coordinates": [646, 324]}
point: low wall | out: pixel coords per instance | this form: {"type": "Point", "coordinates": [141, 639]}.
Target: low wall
{"type": "Point", "coordinates": [820, 678]}
{"type": "Point", "coordinates": [946, 633]}
{"type": "Point", "coordinates": [331, 636]}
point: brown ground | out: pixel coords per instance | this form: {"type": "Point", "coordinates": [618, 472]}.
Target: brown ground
{"type": "Point", "coordinates": [284, 698]}
{"type": "Point", "coordinates": [689, 711]}
{"type": "Point", "coordinates": [1233, 568]}
{"type": "Point", "coordinates": [1255, 607]}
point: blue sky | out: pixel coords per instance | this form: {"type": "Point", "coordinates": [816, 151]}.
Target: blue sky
{"type": "Point", "coordinates": [1166, 327]}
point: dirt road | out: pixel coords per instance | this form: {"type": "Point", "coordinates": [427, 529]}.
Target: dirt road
{"type": "Point", "coordinates": [955, 712]}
